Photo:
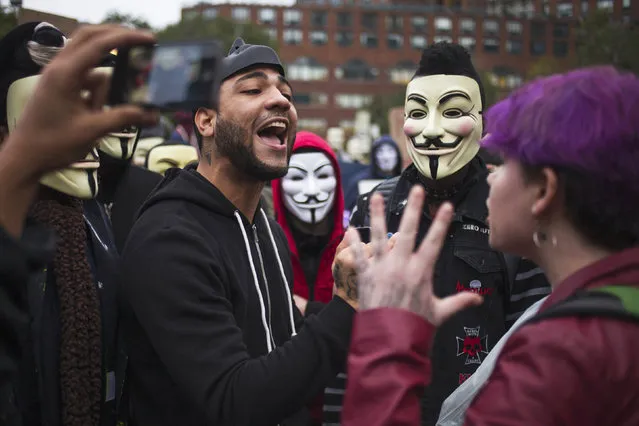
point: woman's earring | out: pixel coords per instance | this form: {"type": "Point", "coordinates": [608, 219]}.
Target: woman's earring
{"type": "Point", "coordinates": [539, 238]}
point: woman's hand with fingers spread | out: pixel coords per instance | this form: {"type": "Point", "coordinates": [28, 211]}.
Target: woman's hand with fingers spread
{"type": "Point", "coordinates": [400, 278]}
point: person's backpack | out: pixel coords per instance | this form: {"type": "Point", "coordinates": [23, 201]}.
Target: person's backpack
{"type": "Point", "coordinates": [618, 302]}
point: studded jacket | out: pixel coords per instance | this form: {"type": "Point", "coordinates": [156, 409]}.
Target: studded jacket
{"type": "Point", "coordinates": [467, 263]}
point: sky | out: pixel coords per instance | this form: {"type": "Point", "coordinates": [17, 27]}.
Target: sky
{"type": "Point", "coordinates": [158, 13]}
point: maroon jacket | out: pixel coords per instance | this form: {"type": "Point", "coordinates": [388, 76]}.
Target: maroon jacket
{"type": "Point", "coordinates": [563, 371]}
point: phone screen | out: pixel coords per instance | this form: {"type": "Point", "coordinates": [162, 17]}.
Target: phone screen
{"type": "Point", "coordinates": [174, 76]}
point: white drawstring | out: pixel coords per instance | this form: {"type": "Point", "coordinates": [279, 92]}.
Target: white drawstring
{"type": "Point", "coordinates": [279, 262]}
{"type": "Point", "coordinates": [269, 346]}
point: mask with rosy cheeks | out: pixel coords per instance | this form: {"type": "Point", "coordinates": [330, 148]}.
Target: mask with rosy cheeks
{"type": "Point", "coordinates": [79, 179]}
{"type": "Point", "coordinates": [443, 123]}
{"type": "Point", "coordinates": [309, 186]}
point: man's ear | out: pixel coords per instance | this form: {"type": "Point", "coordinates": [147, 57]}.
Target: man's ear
{"type": "Point", "coordinates": [205, 122]}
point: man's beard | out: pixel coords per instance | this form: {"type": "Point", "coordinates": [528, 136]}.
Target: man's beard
{"type": "Point", "coordinates": [232, 142]}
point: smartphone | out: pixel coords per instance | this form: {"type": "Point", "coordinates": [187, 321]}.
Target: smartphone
{"type": "Point", "coordinates": [364, 234]}
{"type": "Point", "coordinates": [177, 76]}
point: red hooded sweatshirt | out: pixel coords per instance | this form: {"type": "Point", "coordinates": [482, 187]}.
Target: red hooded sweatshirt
{"type": "Point", "coordinates": [324, 282]}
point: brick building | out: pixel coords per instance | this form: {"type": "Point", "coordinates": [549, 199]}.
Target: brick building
{"type": "Point", "coordinates": [339, 53]}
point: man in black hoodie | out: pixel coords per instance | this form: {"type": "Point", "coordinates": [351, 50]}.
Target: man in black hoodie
{"type": "Point", "coordinates": [212, 331]}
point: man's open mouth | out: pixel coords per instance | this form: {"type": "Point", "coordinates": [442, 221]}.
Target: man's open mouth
{"type": "Point", "coordinates": [274, 131]}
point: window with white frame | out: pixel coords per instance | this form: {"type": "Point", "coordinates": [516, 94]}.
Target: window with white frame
{"type": "Point", "coordinates": [292, 17]}
{"type": "Point", "coordinates": [491, 27]}
{"type": "Point", "coordinates": [292, 37]}
{"type": "Point", "coordinates": [605, 4]}
{"type": "Point", "coordinates": [306, 69]}
{"type": "Point", "coordinates": [514, 47]}
{"type": "Point", "coordinates": [419, 23]}
{"type": "Point", "coordinates": [241, 14]}
{"type": "Point", "coordinates": [440, 38]}
{"type": "Point", "coordinates": [310, 99]}
{"type": "Point", "coordinates": [356, 69]}
{"type": "Point", "coordinates": [443, 24]}
{"type": "Point", "coordinates": [368, 40]}
{"type": "Point", "coordinates": [491, 45]}
{"type": "Point", "coordinates": [467, 25]}
{"type": "Point", "coordinates": [352, 100]}
{"type": "Point", "coordinates": [318, 38]}
{"type": "Point", "coordinates": [267, 16]}
{"type": "Point", "coordinates": [272, 33]}
{"type": "Point", "coordinates": [468, 43]}
{"type": "Point", "coordinates": [210, 13]}
{"type": "Point", "coordinates": [312, 124]}
{"type": "Point", "coordinates": [514, 27]}
{"type": "Point", "coordinates": [395, 41]}
{"type": "Point", "coordinates": [418, 42]}
{"type": "Point", "coordinates": [564, 10]}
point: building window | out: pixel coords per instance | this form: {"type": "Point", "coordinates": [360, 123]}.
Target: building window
{"type": "Point", "coordinates": [419, 23]}
{"type": "Point", "coordinates": [564, 10]}
{"type": "Point", "coordinates": [368, 40]}
{"type": "Point", "coordinates": [467, 25]}
{"type": "Point", "coordinates": [440, 38]}
{"type": "Point", "coordinates": [292, 18]}
{"type": "Point", "coordinates": [418, 42]}
{"type": "Point", "coordinates": [352, 101]}
{"type": "Point", "coordinates": [318, 38]}
{"type": "Point", "coordinates": [538, 30]}
{"type": "Point", "coordinates": [210, 13]}
{"type": "Point", "coordinates": [505, 80]}
{"type": "Point", "coordinates": [316, 125]}
{"type": "Point", "coordinates": [491, 27]}
{"type": "Point", "coordinates": [626, 4]}
{"type": "Point", "coordinates": [468, 43]}
{"type": "Point", "coordinates": [369, 21]}
{"type": "Point", "coordinates": [560, 48]}
{"type": "Point", "coordinates": [514, 27]}
{"type": "Point", "coordinates": [394, 23]}
{"type": "Point", "coordinates": [344, 19]}
{"type": "Point", "coordinates": [491, 45]}
{"type": "Point", "coordinates": [356, 69]}
{"type": "Point", "coordinates": [319, 18]}
{"type": "Point", "coordinates": [310, 99]}
{"type": "Point", "coordinates": [190, 14]}
{"type": "Point", "coordinates": [395, 41]}
{"type": "Point", "coordinates": [272, 33]}
{"type": "Point", "coordinates": [514, 47]}
{"type": "Point", "coordinates": [306, 69]}
{"type": "Point", "coordinates": [267, 16]}
{"type": "Point", "coordinates": [344, 38]}
{"type": "Point", "coordinates": [561, 30]}
{"type": "Point", "coordinates": [605, 4]}
{"type": "Point", "coordinates": [443, 24]}
{"type": "Point", "coordinates": [538, 47]}
{"type": "Point", "coordinates": [584, 6]}
{"type": "Point", "coordinates": [403, 72]}
{"type": "Point", "coordinates": [292, 37]}
{"type": "Point", "coordinates": [241, 14]}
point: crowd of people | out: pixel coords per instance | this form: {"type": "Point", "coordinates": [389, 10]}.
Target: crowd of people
{"type": "Point", "coordinates": [205, 273]}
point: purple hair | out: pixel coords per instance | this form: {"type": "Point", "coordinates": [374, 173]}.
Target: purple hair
{"type": "Point", "coordinates": [584, 125]}
{"type": "Point", "coordinates": [585, 120]}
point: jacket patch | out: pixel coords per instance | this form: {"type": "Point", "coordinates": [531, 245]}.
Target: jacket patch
{"type": "Point", "coordinates": [473, 346]}
{"type": "Point", "coordinates": [474, 286]}
{"type": "Point", "coordinates": [463, 377]}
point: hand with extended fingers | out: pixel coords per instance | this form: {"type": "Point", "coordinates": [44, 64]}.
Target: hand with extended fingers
{"type": "Point", "coordinates": [400, 278]}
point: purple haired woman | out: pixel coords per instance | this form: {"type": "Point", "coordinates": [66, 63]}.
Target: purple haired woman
{"type": "Point", "coordinates": [566, 197]}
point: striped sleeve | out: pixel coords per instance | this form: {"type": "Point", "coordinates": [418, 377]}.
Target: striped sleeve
{"type": "Point", "coordinates": [334, 400]}
{"type": "Point", "coordinates": [530, 285]}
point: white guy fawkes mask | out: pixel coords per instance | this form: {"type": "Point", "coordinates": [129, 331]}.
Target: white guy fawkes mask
{"type": "Point", "coordinates": [443, 123]}
{"type": "Point", "coordinates": [309, 186]}
{"type": "Point", "coordinates": [79, 179]}
{"type": "Point", "coordinates": [120, 145]}
{"type": "Point", "coordinates": [359, 148]}
{"type": "Point", "coordinates": [164, 157]}
{"type": "Point", "coordinates": [386, 157]}
{"type": "Point", "coordinates": [143, 147]}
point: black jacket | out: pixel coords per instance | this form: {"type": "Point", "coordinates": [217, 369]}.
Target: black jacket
{"type": "Point", "coordinates": [466, 263]}
{"type": "Point", "coordinates": [20, 261]}
{"type": "Point", "coordinates": [193, 320]}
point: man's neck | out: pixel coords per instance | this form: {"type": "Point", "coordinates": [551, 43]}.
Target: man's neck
{"type": "Point", "coordinates": [241, 190]}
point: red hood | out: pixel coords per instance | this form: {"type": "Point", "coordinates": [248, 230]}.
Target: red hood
{"type": "Point", "coordinates": [310, 140]}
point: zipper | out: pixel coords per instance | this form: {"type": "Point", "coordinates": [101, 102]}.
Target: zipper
{"type": "Point", "coordinates": [268, 295]}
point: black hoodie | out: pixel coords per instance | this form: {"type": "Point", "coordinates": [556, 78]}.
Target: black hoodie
{"type": "Point", "coordinates": [193, 319]}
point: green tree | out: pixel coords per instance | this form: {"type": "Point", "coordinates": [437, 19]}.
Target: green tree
{"type": "Point", "coordinates": [603, 40]}
{"type": "Point", "coordinates": [8, 21]}
{"type": "Point", "coordinates": [545, 66]}
{"type": "Point", "coordinates": [115, 17]}
{"type": "Point", "coordinates": [381, 104]}
{"type": "Point", "coordinates": [223, 29]}
{"type": "Point", "coordinates": [491, 92]}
